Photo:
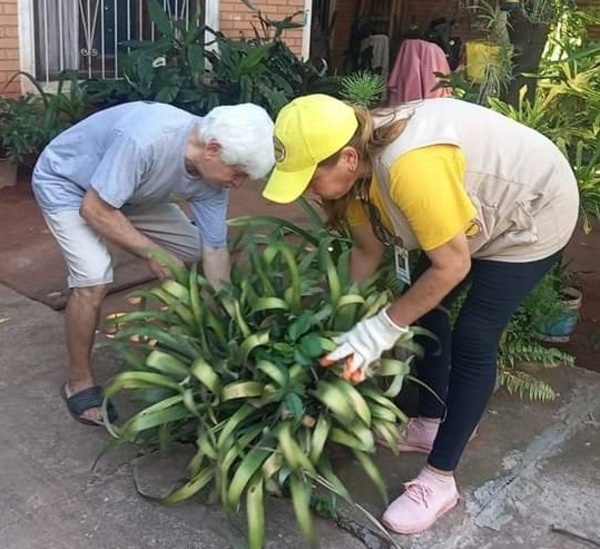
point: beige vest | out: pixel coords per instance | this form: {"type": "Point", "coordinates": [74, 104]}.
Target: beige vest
{"type": "Point", "coordinates": [522, 186]}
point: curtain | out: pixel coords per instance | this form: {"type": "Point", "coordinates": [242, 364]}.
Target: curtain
{"type": "Point", "coordinates": [58, 36]}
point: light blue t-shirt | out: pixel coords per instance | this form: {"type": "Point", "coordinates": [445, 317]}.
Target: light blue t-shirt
{"type": "Point", "coordinates": [132, 155]}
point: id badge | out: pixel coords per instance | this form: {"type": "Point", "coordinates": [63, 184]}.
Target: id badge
{"type": "Point", "coordinates": [402, 267]}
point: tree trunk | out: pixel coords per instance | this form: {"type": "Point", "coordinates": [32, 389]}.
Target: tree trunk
{"type": "Point", "coordinates": [528, 40]}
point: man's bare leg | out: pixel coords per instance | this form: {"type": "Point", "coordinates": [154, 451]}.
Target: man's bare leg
{"type": "Point", "coordinates": [81, 320]}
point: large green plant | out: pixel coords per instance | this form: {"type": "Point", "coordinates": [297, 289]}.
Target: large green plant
{"type": "Point", "coordinates": [168, 68]}
{"type": "Point", "coordinates": [237, 371]}
{"type": "Point", "coordinates": [178, 67]}
{"type": "Point", "coordinates": [566, 108]}
{"type": "Point", "coordinates": [56, 110]}
{"type": "Point", "coordinates": [21, 134]}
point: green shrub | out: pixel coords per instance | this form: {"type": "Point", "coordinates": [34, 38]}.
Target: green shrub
{"type": "Point", "coordinates": [237, 371]}
{"type": "Point", "coordinates": [177, 68]}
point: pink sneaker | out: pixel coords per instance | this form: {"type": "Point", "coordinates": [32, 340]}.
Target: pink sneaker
{"type": "Point", "coordinates": [417, 436]}
{"type": "Point", "coordinates": [424, 500]}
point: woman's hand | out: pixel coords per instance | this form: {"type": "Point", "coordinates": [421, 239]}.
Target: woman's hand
{"type": "Point", "coordinates": [365, 343]}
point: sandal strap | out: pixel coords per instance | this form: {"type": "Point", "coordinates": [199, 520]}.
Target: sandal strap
{"type": "Point", "coordinates": [84, 400]}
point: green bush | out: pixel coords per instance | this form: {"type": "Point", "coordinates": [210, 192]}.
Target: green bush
{"type": "Point", "coordinates": [21, 133]}
{"type": "Point", "coordinates": [237, 372]}
{"type": "Point", "coordinates": [177, 68]}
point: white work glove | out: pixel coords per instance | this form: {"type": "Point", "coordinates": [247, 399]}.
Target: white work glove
{"type": "Point", "coordinates": [364, 344]}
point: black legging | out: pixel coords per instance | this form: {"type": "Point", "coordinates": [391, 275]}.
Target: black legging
{"type": "Point", "coordinates": [460, 367]}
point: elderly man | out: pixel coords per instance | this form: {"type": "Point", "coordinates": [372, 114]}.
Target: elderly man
{"type": "Point", "coordinates": [113, 177]}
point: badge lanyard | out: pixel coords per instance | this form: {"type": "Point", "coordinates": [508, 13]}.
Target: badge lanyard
{"type": "Point", "coordinates": [387, 238]}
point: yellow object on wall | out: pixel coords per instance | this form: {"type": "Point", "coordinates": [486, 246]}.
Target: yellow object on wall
{"type": "Point", "coordinates": [480, 55]}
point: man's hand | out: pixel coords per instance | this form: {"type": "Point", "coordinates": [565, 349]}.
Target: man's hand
{"type": "Point", "coordinates": [364, 344]}
{"type": "Point", "coordinates": [162, 272]}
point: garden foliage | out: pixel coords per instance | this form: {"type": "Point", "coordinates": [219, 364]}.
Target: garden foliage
{"type": "Point", "coordinates": [237, 371]}
{"type": "Point", "coordinates": [181, 68]}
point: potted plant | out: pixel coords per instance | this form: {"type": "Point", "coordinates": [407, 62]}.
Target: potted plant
{"type": "Point", "coordinates": [488, 55]}
{"type": "Point", "coordinates": [363, 88]}
{"type": "Point", "coordinates": [544, 314]}
{"type": "Point", "coordinates": [557, 308]}
{"type": "Point", "coordinates": [21, 134]}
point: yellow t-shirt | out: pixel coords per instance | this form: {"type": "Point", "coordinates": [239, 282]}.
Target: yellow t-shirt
{"type": "Point", "coordinates": [427, 185]}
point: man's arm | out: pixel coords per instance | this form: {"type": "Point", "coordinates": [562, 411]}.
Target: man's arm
{"type": "Point", "coordinates": [216, 264]}
{"type": "Point", "coordinates": [110, 223]}
{"type": "Point", "coordinates": [209, 211]}
{"type": "Point", "coordinates": [450, 264]}
{"type": "Point", "coordinates": [366, 254]}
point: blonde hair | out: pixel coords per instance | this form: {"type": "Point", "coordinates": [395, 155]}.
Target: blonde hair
{"type": "Point", "coordinates": [377, 129]}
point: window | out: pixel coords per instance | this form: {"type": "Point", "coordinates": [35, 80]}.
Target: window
{"type": "Point", "coordinates": [84, 35]}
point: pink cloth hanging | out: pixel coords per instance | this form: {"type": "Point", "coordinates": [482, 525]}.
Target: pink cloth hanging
{"type": "Point", "coordinates": [413, 73]}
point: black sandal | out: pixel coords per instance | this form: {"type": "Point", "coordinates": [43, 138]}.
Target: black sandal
{"type": "Point", "coordinates": [84, 400]}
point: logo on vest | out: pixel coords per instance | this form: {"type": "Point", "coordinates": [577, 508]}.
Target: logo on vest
{"type": "Point", "coordinates": [474, 228]}
{"type": "Point", "coordinates": [279, 147]}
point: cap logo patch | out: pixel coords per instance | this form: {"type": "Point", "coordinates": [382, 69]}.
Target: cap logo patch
{"type": "Point", "coordinates": [279, 150]}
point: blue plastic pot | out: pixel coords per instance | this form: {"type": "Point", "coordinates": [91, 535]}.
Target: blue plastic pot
{"type": "Point", "coordinates": [561, 329]}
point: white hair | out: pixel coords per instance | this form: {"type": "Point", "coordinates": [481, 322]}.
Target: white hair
{"type": "Point", "coordinates": [245, 134]}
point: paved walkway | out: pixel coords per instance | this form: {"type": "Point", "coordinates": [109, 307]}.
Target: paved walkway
{"type": "Point", "coordinates": [533, 466]}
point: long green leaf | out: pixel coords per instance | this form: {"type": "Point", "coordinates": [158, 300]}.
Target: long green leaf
{"type": "Point", "coordinates": [373, 473]}
{"type": "Point", "coordinates": [251, 343]}
{"type": "Point", "coordinates": [192, 487]}
{"type": "Point", "coordinates": [319, 438]}
{"type": "Point", "coordinates": [160, 18]}
{"type": "Point", "coordinates": [242, 389]}
{"type": "Point", "coordinates": [301, 493]}
{"type": "Point", "coordinates": [138, 380]}
{"type": "Point", "coordinates": [278, 374]}
{"type": "Point", "coordinates": [149, 419]}
{"type": "Point", "coordinates": [295, 281]}
{"type": "Point", "coordinates": [328, 266]}
{"type": "Point", "coordinates": [257, 220]}
{"type": "Point", "coordinates": [231, 450]}
{"type": "Point", "coordinates": [294, 456]}
{"type": "Point", "coordinates": [255, 511]}
{"type": "Point", "coordinates": [202, 371]}
{"type": "Point", "coordinates": [244, 472]}
{"type": "Point", "coordinates": [233, 423]}
{"type": "Point", "coordinates": [167, 364]}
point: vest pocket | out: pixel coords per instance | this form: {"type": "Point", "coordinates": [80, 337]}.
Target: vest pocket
{"type": "Point", "coordinates": [505, 228]}
{"type": "Point", "coordinates": [522, 230]}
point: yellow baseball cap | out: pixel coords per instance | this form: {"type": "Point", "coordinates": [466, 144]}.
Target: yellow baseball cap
{"type": "Point", "coordinates": [308, 130]}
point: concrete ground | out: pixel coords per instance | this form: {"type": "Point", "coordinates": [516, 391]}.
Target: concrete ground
{"type": "Point", "coordinates": [532, 467]}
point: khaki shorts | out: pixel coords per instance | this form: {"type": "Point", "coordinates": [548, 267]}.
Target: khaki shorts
{"type": "Point", "coordinates": [87, 254]}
